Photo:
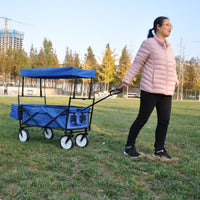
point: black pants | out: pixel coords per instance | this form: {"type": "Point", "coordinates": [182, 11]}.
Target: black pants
{"type": "Point", "coordinates": [148, 102]}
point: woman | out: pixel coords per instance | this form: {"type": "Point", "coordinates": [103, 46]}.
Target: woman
{"type": "Point", "coordinates": [157, 85]}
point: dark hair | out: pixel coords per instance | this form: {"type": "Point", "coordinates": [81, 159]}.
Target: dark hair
{"type": "Point", "coordinates": [157, 21]}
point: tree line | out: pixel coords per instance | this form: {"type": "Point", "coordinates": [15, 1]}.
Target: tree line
{"type": "Point", "coordinates": [109, 73]}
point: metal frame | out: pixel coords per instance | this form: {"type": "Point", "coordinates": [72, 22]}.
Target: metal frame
{"type": "Point", "coordinates": [67, 110]}
{"type": "Point", "coordinates": [67, 131]}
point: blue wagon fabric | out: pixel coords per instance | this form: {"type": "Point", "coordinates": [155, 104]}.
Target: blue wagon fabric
{"type": "Point", "coordinates": [51, 116]}
{"type": "Point", "coordinates": [57, 73]}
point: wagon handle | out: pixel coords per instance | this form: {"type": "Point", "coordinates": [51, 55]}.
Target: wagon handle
{"type": "Point", "coordinates": [116, 91]}
{"type": "Point", "coordinates": [112, 92]}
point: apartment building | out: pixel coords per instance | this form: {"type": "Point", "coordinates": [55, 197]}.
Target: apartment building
{"type": "Point", "coordinates": [14, 39]}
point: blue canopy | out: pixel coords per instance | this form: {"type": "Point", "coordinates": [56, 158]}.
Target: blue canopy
{"type": "Point", "coordinates": [57, 73]}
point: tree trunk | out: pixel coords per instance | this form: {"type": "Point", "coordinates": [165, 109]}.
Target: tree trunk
{"type": "Point", "coordinates": [82, 92]}
{"type": "Point", "coordinates": [177, 93]}
{"type": "Point", "coordinates": [86, 91]}
{"type": "Point", "coordinates": [199, 95]}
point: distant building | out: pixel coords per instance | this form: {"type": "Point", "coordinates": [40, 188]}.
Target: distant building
{"type": "Point", "coordinates": [14, 39]}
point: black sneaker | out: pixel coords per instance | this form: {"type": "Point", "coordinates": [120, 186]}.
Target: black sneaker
{"type": "Point", "coordinates": [130, 151]}
{"type": "Point", "coordinates": [162, 153]}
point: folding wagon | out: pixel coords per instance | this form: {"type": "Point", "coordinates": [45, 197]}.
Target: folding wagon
{"type": "Point", "coordinates": [70, 119]}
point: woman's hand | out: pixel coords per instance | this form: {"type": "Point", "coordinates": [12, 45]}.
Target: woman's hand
{"type": "Point", "coordinates": [123, 86]}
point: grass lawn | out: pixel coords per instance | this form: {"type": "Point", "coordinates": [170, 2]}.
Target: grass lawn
{"type": "Point", "coordinates": [40, 169]}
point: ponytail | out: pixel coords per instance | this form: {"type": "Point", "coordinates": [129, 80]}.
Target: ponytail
{"type": "Point", "coordinates": [150, 34]}
{"type": "Point", "coordinates": [157, 21]}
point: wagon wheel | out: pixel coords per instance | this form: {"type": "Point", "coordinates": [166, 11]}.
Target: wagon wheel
{"type": "Point", "coordinates": [66, 142]}
{"type": "Point", "coordinates": [82, 140]}
{"type": "Point", "coordinates": [48, 133]}
{"type": "Point", "coordinates": [24, 135]}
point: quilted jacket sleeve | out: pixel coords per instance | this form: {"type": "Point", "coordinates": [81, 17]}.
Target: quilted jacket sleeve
{"type": "Point", "coordinates": [139, 61]}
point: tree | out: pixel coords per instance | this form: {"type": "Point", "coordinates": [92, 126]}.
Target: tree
{"type": "Point", "coordinates": [180, 66]}
{"type": "Point", "coordinates": [197, 75]}
{"type": "Point", "coordinates": [42, 59]}
{"type": "Point", "coordinates": [90, 59]}
{"type": "Point", "coordinates": [10, 62]}
{"type": "Point", "coordinates": [72, 60]}
{"type": "Point", "coordinates": [124, 64]}
{"type": "Point", "coordinates": [107, 69]}
{"type": "Point", "coordinates": [189, 75]}
{"type": "Point", "coordinates": [21, 60]}
{"type": "Point", "coordinates": [51, 57]}
{"type": "Point", "coordinates": [76, 59]}
{"type": "Point", "coordinates": [3, 66]}
{"type": "Point", "coordinates": [34, 60]}
{"type": "Point", "coordinates": [69, 61]}
{"type": "Point", "coordinates": [90, 63]}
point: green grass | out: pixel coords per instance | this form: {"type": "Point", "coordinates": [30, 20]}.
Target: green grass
{"type": "Point", "coordinates": [40, 169]}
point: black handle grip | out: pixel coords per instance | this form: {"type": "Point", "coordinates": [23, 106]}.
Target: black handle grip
{"type": "Point", "coordinates": [116, 91]}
